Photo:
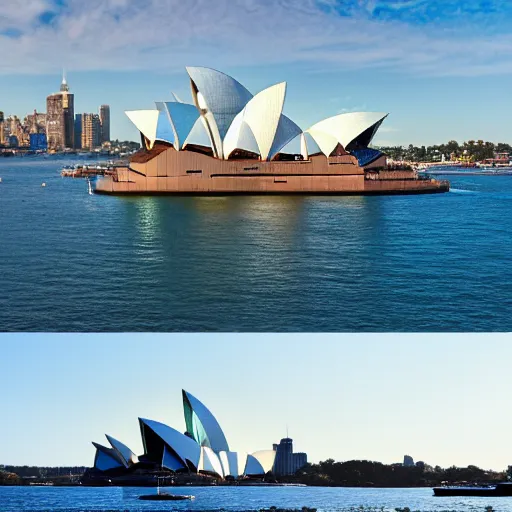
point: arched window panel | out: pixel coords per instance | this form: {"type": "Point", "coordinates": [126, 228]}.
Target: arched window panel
{"type": "Point", "coordinates": [183, 116]}
{"type": "Point", "coordinates": [171, 461]}
{"type": "Point", "coordinates": [198, 136]}
{"type": "Point", "coordinates": [164, 129]}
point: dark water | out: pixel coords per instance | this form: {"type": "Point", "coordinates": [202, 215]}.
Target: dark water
{"type": "Point", "coordinates": [15, 499]}
{"type": "Point", "coordinates": [70, 261]}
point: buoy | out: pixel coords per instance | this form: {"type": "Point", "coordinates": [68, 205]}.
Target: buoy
{"type": "Point", "coordinates": [43, 184]}
{"type": "Point", "coordinates": [0, 180]}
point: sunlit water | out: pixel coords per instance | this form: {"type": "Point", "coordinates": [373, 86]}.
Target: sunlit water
{"type": "Point", "coordinates": [71, 261]}
{"type": "Point", "coordinates": [15, 499]}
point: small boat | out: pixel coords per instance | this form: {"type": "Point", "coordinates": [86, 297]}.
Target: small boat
{"type": "Point", "coordinates": [503, 489]}
{"type": "Point", "coordinates": [164, 496]}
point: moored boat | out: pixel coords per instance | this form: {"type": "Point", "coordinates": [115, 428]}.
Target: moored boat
{"type": "Point", "coordinates": [163, 496]}
{"type": "Point", "coordinates": [502, 489]}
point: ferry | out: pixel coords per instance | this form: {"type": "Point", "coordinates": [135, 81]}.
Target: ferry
{"type": "Point", "coordinates": [489, 491]}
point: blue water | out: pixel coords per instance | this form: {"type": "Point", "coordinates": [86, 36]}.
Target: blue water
{"type": "Point", "coordinates": [71, 261]}
{"type": "Point", "coordinates": [16, 499]}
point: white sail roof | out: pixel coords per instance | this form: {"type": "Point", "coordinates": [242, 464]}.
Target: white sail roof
{"type": "Point", "coordinates": [261, 115]}
{"type": "Point", "coordinates": [210, 462]}
{"type": "Point", "coordinates": [184, 447]}
{"type": "Point", "coordinates": [182, 117]}
{"type": "Point", "coordinates": [220, 98]}
{"type": "Point", "coordinates": [146, 122]}
{"type": "Point", "coordinates": [286, 132]}
{"type": "Point", "coordinates": [266, 458]}
{"type": "Point", "coordinates": [124, 453]}
{"type": "Point", "coordinates": [253, 466]}
{"type": "Point", "coordinates": [343, 129]}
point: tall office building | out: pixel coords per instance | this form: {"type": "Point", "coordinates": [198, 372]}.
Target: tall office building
{"type": "Point", "coordinates": [2, 133]}
{"type": "Point", "coordinates": [78, 131]}
{"type": "Point", "coordinates": [60, 118]}
{"type": "Point", "coordinates": [105, 123]}
{"type": "Point", "coordinates": [287, 462]}
{"type": "Point", "coordinates": [91, 131]}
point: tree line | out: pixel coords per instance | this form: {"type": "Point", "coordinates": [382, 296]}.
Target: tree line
{"type": "Point", "coordinates": [470, 151]}
{"type": "Point", "coordinates": [364, 473]}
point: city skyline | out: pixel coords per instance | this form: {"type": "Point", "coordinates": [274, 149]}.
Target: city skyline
{"type": "Point", "coordinates": [57, 128]}
{"type": "Point", "coordinates": [381, 396]}
{"type": "Point", "coordinates": [418, 60]}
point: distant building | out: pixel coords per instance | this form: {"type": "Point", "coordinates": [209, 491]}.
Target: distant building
{"type": "Point", "coordinates": [78, 131]}
{"type": "Point", "coordinates": [105, 123]}
{"type": "Point", "coordinates": [408, 461]}
{"type": "Point", "coordinates": [2, 132]}
{"type": "Point", "coordinates": [38, 142]}
{"type": "Point", "coordinates": [287, 462]}
{"type": "Point", "coordinates": [91, 131]}
{"type": "Point", "coordinates": [35, 123]}
{"type": "Point", "coordinates": [60, 119]}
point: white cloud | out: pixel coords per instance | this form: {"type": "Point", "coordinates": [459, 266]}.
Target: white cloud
{"type": "Point", "coordinates": [168, 34]}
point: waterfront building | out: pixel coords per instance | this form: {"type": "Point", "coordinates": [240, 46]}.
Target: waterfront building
{"type": "Point", "coordinates": [60, 119]}
{"type": "Point", "coordinates": [38, 142]}
{"type": "Point", "coordinates": [35, 122]}
{"type": "Point", "coordinates": [91, 131]}
{"type": "Point", "coordinates": [202, 448]}
{"type": "Point", "coordinates": [287, 462]}
{"type": "Point", "coordinates": [105, 123]}
{"type": "Point", "coordinates": [231, 141]}
{"type": "Point", "coordinates": [78, 131]}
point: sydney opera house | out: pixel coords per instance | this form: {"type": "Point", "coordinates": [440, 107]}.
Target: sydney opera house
{"type": "Point", "coordinates": [231, 141]}
{"type": "Point", "coordinates": [202, 449]}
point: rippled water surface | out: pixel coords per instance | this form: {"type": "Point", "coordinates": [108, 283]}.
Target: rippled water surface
{"type": "Point", "coordinates": [71, 261]}
{"type": "Point", "coordinates": [14, 499]}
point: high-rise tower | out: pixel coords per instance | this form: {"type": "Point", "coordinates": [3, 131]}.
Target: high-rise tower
{"type": "Point", "coordinates": [2, 133]}
{"type": "Point", "coordinates": [60, 120]}
{"type": "Point", "coordinates": [105, 123]}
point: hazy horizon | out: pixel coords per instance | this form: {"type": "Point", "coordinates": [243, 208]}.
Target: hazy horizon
{"type": "Point", "coordinates": [440, 398]}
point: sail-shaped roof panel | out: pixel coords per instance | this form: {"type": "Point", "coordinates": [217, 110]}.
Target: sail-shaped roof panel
{"type": "Point", "coordinates": [183, 446]}
{"type": "Point", "coordinates": [202, 425]}
{"type": "Point", "coordinates": [123, 452]}
{"type": "Point", "coordinates": [220, 98]}
{"type": "Point", "coordinates": [286, 131]}
{"type": "Point", "coordinates": [346, 127]}
{"type": "Point", "coordinates": [146, 122]}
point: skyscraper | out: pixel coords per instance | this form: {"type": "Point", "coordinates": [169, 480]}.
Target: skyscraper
{"type": "Point", "coordinates": [60, 119]}
{"type": "Point", "coordinates": [287, 462]}
{"type": "Point", "coordinates": [2, 134]}
{"type": "Point", "coordinates": [78, 131]}
{"type": "Point", "coordinates": [91, 131]}
{"type": "Point", "coordinates": [105, 123]}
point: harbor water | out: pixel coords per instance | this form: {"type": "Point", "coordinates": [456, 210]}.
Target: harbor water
{"type": "Point", "coordinates": [74, 261]}
{"type": "Point", "coordinates": [74, 499]}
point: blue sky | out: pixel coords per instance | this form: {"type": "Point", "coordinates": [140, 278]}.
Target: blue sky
{"type": "Point", "coordinates": [439, 398]}
{"type": "Point", "coordinates": [442, 68]}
